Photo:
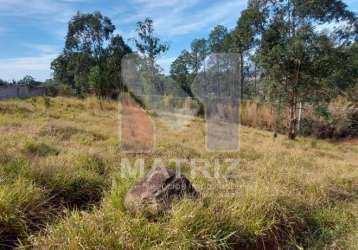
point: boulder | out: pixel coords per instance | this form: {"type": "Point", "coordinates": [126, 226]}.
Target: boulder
{"type": "Point", "coordinates": [156, 191]}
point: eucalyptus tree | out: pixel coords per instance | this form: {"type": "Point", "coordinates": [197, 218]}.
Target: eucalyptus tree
{"type": "Point", "coordinates": [199, 51]}
{"type": "Point", "coordinates": [180, 71]}
{"type": "Point", "coordinates": [150, 47]}
{"type": "Point", "coordinates": [295, 55]}
{"type": "Point", "coordinates": [216, 39]}
{"type": "Point", "coordinates": [115, 52]}
{"type": "Point", "coordinates": [244, 38]}
{"type": "Point", "coordinates": [92, 54]}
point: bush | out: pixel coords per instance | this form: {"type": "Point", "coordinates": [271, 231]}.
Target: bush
{"type": "Point", "coordinates": [54, 90]}
{"type": "Point", "coordinates": [339, 120]}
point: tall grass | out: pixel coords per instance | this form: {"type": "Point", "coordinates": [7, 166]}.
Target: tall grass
{"type": "Point", "coordinates": [23, 208]}
{"type": "Point", "coordinates": [61, 186]}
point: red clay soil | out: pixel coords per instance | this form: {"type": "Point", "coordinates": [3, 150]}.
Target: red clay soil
{"type": "Point", "coordinates": [137, 135]}
{"type": "Point", "coordinates": [353, 141]}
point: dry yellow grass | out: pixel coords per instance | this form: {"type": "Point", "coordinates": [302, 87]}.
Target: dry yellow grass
{"type": "Point", "coordinates": [301, 194]}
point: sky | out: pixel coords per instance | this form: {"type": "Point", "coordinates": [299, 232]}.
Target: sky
{"type": "Point", "coordinates": [32, 32]}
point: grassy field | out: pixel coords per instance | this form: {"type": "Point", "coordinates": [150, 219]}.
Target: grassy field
{"type": "Point", "coordinates": [61, 186]}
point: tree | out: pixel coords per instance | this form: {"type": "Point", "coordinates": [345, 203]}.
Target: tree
{"type": "Point", "coordinates": [147, 44]}
{"type": "Point", "coordinates": [64, 70]}
{"type": "Point", "coordinates": [115, 52]}
{"type": "Point", "coordinates": [294, 55]}
{"type": "Point", "coordinates": [188, 64]}
{"type": "Point", "coordinates": [216, 39]}
{"type": "Point", "coordinates": [87, 34]}
{"type": "Point", "coordinates": [91, 59]}
{"type": "Point", "coordinates": [150, 47]}
{"type": "Point", "coordinates": [243, 38]}
{"type": "Point", "coordinates": [180, 71]}
{"type": "Point", "coordinates": [199, 51]}
{"type": "Point", "coordinates": [28, 80]}
{"type": "Point", "coordinates": [3, 82]}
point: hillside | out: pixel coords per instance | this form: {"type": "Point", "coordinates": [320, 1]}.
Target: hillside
{"type": "Point", "coordinates": [62, 187]}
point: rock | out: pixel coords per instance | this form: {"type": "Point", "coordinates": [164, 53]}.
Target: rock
{"type": "Point", "coordinates": [156, 191]}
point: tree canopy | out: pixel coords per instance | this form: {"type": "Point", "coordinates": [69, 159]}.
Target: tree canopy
{"type": "Point", "coordinates": [289, 52]}
{"type": "Point", "coordinates": [91, 59]}
{"type": "Point", "coordinates": [285, 45]}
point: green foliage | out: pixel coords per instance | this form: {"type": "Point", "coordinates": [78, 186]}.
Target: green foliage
{"type": "Point", "coordinates": [87, 64]}
{"type": "Point", "coordinates": [148, 44]}
{"type": "Point", "coordinates": [150, 47]}
{"type": "Point", "coordinates": [27, 80]}
{"type": "Point", "coordinates": [180, 71]}
{"type": "Point", "coordinates": [199, 51]}
{"type": "Point", "coordinates": [186, 67]}
{"type": "Point", "coordinates": [285, 55]}
{"type": "Point", "coordinates": [216, 38]}
{"type": "Point", "coordinates": [299, 62]}
{"type": "Point", "coordinates": [332, 122]}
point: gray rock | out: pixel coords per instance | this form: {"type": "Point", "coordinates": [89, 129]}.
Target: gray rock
{"type": "Point", "coordinates": [156, 191]}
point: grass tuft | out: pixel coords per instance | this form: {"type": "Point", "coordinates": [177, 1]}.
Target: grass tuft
{"type": "Point", "coordinates": [39, 149]}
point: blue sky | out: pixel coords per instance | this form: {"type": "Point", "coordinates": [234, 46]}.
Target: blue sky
{"type": "Point", "coordinates": [32, 31]}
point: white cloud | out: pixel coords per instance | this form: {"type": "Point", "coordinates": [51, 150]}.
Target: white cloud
{"type": "Point", "coordinates": [44, 49]}
{"type": "Point", "coordinates": [175, 18]}
{"type": "Point", "coordinates": [36, 9]}
{"type": "Point", "coordinates": [16, 68]}
{"type": "Point", "coordinates": [206, 18]}
{"type": "Point", "coordinates": [38, 66]}
{"type": "Point", "coordinates": [160, 3]}
{"type": "Point", "coordinates": [27, 7]}
{"type": "Point", "coordinates": [181, 17]}
{"type": "Point", "coordinates": [172, 18]}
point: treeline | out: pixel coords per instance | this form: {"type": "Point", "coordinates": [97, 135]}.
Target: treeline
{"type": "Point", "coordinates": [92, 55]}
{"type": "Point", "coordinates": [91, 61]}
{"type": "Point", "coordinates": [27, 80]}
{"type": "Point", "coordinates": [286, 57]}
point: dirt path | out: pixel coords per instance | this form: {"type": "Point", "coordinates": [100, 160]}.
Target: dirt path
{"type": "Point", "coordinates": [137, 128]}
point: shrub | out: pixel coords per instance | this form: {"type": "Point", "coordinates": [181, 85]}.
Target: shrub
{"type": "Point", "coordinates": [338, 120]}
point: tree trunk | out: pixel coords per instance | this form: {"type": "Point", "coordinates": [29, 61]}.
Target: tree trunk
{"type": "Point", "coordinates": [242, 77]}
{"type": "Point", "coordinates": [277, 117]}
{"type": "Point", "coordinates": [255, 75]}
{"type": "Point", "coordinates": [292, 121]}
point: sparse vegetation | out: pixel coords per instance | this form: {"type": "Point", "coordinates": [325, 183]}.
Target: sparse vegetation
{"type": "Point", "coordinates": [57, 192]}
